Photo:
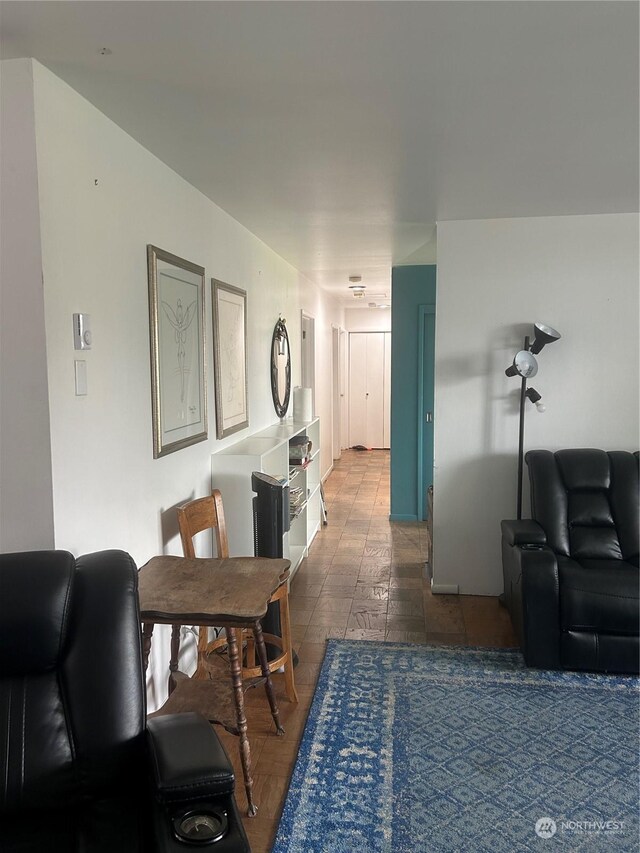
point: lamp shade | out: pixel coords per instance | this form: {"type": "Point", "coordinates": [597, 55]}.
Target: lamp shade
{"type": "Point", "coordinates": [524, 364]}
{"type": "Point", "coordinates": [544, 335]}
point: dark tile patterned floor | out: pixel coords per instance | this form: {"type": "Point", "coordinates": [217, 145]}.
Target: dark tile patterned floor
{"type": "Point", "coordinates": [364, 579]}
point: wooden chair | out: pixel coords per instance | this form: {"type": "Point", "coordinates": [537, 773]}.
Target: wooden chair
{"type": "Point", "coordinates": [205, 513]}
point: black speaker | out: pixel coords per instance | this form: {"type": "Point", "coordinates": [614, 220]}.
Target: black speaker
{"type": "Point", "coordinates": [270, 523]}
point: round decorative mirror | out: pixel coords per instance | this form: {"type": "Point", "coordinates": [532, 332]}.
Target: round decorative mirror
{"type": "Point", "coordinates": [280, 368]}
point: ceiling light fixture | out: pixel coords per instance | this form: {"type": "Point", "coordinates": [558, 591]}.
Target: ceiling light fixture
{"type": "Point", "coordinates": [357, 289]}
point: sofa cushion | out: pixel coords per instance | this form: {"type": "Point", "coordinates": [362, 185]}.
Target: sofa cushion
{"type": "Point", "coordinates": [599, 595]}
{"type": "Point", "coordinates": [599, 652]}
{"type": "Point", "coordinates": [625, 502]}
{"type": "Point", "coordinates": [587, 502]}
{"type": "Point", "coordinates": [34, 627]}
{"type": "Point", "coordinates": [592, 532]}
{"type": "Point", "coordinates": [584, 469]}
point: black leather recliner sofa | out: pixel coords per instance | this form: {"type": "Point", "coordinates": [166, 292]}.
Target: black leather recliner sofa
{"type": "Point", "coordinates": [571, 572]}
{"type": "Point", "coordinates": [80, 772]}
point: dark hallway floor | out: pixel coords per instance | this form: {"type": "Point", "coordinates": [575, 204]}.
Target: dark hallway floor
{"type": "Point", "coordinates": [363, 579]}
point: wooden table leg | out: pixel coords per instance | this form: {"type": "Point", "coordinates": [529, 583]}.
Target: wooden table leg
{"type": "Point", "coordinates": [147, 632]}
{"type": "Point", "coordinates": [175, 653]}
{"type": "Point", "coordinates": [238, 692]}
{"type": "Point", "coordinates": [262, 654]}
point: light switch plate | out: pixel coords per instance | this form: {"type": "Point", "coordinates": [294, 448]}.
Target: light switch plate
{"type": "Point", "coordinates": [81, 378]}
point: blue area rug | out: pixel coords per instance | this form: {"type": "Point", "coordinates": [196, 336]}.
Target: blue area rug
{"type": "Point", "coordinates": [410, 749]}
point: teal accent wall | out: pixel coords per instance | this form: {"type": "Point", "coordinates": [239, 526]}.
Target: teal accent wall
{"type": "Point", "coordinates": [411, 286]}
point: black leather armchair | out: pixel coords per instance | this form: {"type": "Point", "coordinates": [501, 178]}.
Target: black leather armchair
{"type": "Point", "coordinates": [80, 770]}
{"type": "Point", "coordinates": [571, 573]}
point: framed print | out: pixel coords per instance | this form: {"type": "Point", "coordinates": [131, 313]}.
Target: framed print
{"type": "Point", "coordinates": [178, 382]}
{"type": "Point", "coordinates": [230, 357]}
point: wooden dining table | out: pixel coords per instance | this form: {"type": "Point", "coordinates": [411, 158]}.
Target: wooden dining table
{"type": "Point", "coordinates": [233, 593]}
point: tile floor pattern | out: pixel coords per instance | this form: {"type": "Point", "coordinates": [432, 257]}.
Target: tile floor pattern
{"type": "Point", "coordinates": [364, 579]}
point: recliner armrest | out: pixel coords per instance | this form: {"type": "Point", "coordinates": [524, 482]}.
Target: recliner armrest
{"type": "Point", "coordinates": [523, 532]}
{"type": "Point", "coordinates": [187, 759]}
{"type": "Point", "coordinates": [192, 777]}
{"type": "Point", "coordinates": [532, 595]}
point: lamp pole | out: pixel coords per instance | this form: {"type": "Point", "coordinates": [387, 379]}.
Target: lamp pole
{"type": "Point", "coordinates": [523, 394]}
{"type": "Point", "coordinates": [525, 366]}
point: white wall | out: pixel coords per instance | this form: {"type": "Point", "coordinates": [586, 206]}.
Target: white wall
{"type": "Point", "coordinates": [367, 319]}
{"type": "Point", "coordinates": [26, 502]}
{"type": "Point", "coordinates": [325, 312]}
{"type": "Point", "coordinates": [103, 198]}
{"type": "Point", "coordinates": [495, 279]}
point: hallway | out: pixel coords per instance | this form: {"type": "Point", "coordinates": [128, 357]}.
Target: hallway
{"type": "Point", "coordinates": [365, 576]}
{"type": "Point", "coordinates": [364, 580]}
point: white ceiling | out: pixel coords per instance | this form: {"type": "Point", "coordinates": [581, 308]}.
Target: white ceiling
{"type": "Point", "coordinates": [340, 132]}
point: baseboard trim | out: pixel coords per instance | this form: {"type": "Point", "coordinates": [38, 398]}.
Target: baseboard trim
{"type": "Point", "coordinates": [445, 588]}
{"type": "Point", "coordinates": [324, 478]}
{"type": "Point", "coordinates": [403, 517]}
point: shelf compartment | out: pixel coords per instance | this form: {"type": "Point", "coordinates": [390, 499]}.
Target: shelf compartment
{"type": "Point", "coordinates": [294, 516]}
{"type": "Point", "coordinates": [268, 451]}
{"type": "Point", "coordinates": [296, 555]}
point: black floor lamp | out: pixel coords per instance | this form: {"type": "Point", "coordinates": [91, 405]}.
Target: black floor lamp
{"type": "Point", "coordinates": [525, 365]}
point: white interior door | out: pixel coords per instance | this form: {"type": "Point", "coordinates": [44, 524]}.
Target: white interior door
{"type": "Point", "coordinates": [375, 389]}
{"type": "Point", "coordinates": [357, 390]}
{"type": "Point", "coordinates": [369, 388]}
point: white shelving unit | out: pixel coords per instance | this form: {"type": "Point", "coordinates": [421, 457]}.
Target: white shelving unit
{"type": "Point", "coordinates": [268, 451]}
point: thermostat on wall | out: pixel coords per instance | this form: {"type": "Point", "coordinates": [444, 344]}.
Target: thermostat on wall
{"type": "Point", "coordinates": [82, 331]}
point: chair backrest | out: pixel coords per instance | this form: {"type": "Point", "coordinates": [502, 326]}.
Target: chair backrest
{"type": "Point", "coordinates": [587, 502]}
{"type": "Point", "coordinates": [194, 517]}
{"type": "Point", "coordinates": [72, 697]}
{"type": "Point", "coordinates": [202, 514]}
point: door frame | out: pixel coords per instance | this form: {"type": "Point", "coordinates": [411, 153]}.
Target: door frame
{"type": "Point", "coordinates": [308, 351]}
{"type": "Point", "coordinates": [423, 311]}
{"type": "Point", "coordinates": [336, 398]}
{"type": "Point", "coordinates": [343, 356]}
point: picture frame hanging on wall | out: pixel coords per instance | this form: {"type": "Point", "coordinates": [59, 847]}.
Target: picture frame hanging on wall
{"type": "Point", "coordinates": [177, 337]}
{"type": "Point", "coordinates": [230, 357]}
